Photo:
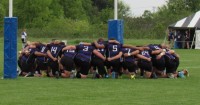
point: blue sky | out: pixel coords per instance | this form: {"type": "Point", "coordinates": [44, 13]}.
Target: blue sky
{"type": "Point", "coordinates": [137, 7]}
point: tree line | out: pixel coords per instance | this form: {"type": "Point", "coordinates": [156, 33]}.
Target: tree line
{"type": "Point", "coordinates": [80, 18]}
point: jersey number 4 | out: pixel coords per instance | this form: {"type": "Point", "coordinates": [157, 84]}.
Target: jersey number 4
{"type": "Point", "coordinates": [54, 49]}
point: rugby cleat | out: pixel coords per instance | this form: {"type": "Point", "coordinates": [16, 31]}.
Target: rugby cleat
{"type": "Point", "coordinates": [154, 76]}
{"type": "Point", "coordinates": [132, 76]}
{"type": "Point", "coordinates": [57, 74]}
{"type": "Point", "coordinates": [29, 74]}
{"type": "Point", "coordinates": [94, 75]}
{"type": "Point", "coordinates": [170, 75]}
{"type": "Point", "coordinates": [113, 75]}
{"type": "Point", "coordinates": [181, 74]}
{"type": "Point", "coordinates": [186, 72]}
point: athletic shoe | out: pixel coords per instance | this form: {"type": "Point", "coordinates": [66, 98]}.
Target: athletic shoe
{"type": "Point", "coordinates": [154, 76]}
{"type": "Point", "coordinates": [57, 74]}
{"type": "Point", "coordinates": [106, 76]}
{"type": "Point", "coordinates": [43, 73]}
{"type": "Point", "coordinates": [132, 76]}
{"type": "Point", "coordinates": [186, 72]}
{"type": "Point", "coordinates": [94, 75]}
{"type": "Point", "coordinates": [113, 74]}
{"type": "Point", "coordinates": [170, 75]}
{"type": "Point", "coordinates": [19, 72]}
{"type": "Point", "coordinates": [181, 74]}
{"type": "Point", "coordinates": [73, 74]}
{"type": "Point", "coordinates": [29, 74]}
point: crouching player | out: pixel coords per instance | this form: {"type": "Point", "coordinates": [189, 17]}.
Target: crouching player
{"type": "Point", "coordinates": [171, 63]}
{"type": "Point", "coordinates": [114, 54]}
{"type": "Point", "coordinates": [145, 63]}
{"type": "Point", "coordinates": [67, 61]}
{"type": "Point", "coordinates": [28, 60]}
{"type": "Point", "coordinates": [158, 59]}
{"type": "Point", "coordinates": [54, 52]}
{"type": "Point", "coordinates": [129, 61]}
{"type": "Point", "coordinates": [41, 61]}
{"type": "Point", "coordinates": [97, 62]}
{"type": "Point", "coordinates": [83, 59]}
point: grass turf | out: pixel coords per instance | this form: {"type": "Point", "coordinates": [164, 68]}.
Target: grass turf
{"type": "Point", "coordinates": [51, 91]}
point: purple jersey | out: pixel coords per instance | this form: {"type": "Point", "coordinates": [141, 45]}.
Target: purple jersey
{"type": "Point", "coordinates": [32, 56]}
{"type": "Point", "coordinates": [43, 49]}
{"type": "Point", "coordinates": [129, 58]}
{"type": "Point", "coordinates": [146, 53]}
{"type": "Point", "coordinates": [55, 49]}
{"type": "Point", "coordinates": [154, 46]}
{"type": "Point", "coordinates": [84, 52]}
{"type": "Point", "coordinates": [113, 49]}
{"type": "Point", "coordinates": [69, 53]}
{"type": "Point", "coordinates": [24, 58]}
{"type": "Point", "coordinates": [170, 56]}
{"type": "Point", "coordinates": [100, 50]}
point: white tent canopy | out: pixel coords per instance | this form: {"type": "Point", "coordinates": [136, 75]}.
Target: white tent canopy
{"type": "Point", "coordinates": [192, 21]}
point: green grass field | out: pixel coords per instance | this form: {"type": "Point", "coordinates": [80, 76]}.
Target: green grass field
{"type": "Point", "coordinates": [51, 91]}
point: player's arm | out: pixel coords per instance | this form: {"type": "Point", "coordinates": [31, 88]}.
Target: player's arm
{"type": "Point", "coordinates": [143, 57]}
{"type": "Point", "coordinates": [99, 54]}
{"type": "Point", "coordinates": [132, 53]}
{"type": "Point", "coordinates": [115, 57]}
{"type": "Point", "coordinates": [160, 53]}
{"type": "Point", "coordinates": [155, 52]}
{"type": "Point", "coordinates": [134, 47]}
{"type": "Point", "coordinates": [50, 56]}
{"type": "Point", "coordinates": [113, 41]}
{"type": "Point", "coordinates": [40, 54]}
{"type": "Point", "coordinates": [174, 53]}
{"type": "Point", "coordinates": [69, 47]}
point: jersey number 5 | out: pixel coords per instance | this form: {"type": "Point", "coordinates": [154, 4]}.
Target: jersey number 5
{"type": "Point", "coordinates": [114, 48]}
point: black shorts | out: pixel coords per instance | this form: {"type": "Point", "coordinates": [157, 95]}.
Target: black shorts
{"type": "Point", "coordinates": [23, 40]}
{"type": "Point", "coordinates": [54, 66]}
{"type": "Point", "coordinates": [27, 67]}
{"type": "Point", "coordinates": [145, 65]}
{"type": "Point", "coordinates": [83, 65]}
{"type": "Point", "coordinates": [159, 63]}
{"type": "Point", "coordinates": [42, 65]}
{"type": "Point", "coordinates": [99, 63]}
{"type": "Point", "coordinates": [170, 64]}
{"type": "Point", "coordinates": [68, 63]}
{"type": "Point", "coordinates": [115, 64]}
{"type": "Point", "coordinates": [131, 66]}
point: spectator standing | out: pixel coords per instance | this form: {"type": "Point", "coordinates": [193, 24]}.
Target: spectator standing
{"type": "Point", "coordinates": [187, 39]}
{"type": "Point", "coordinates": [178, 39]}
{"type": "Point", "coordinates": [171, 38]}
{"type": "Point", "coordinates": [24, 38]}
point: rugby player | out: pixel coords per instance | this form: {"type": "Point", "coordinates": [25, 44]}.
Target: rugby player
{"type": "Point", "coordinates": [83, 58]}
{"type": "Point", "coordinates": [67, 61]}
{"type": "Point", "coordinates": [54, 52]}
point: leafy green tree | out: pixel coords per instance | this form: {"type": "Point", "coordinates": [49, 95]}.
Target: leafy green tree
{"type": "Point", "coordinates": [74, 9]}
{"type": "Point", "coordinates": [56, 10]}
{"type": "Point", "coordinates": [32, 13]}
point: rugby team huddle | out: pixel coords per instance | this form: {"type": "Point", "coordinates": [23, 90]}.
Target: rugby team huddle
{"type": "Point", "coordinates": [102, 59]}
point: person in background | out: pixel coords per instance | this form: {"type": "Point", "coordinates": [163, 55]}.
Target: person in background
{"type": "Point", "coordinates": [187, 39]}
{"type": "Point", "coordinates": [171, 38]}
{"type": "Point", "coordinates": [178, 39]}
{"type": "Point", "coordinates": [24, 38]}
